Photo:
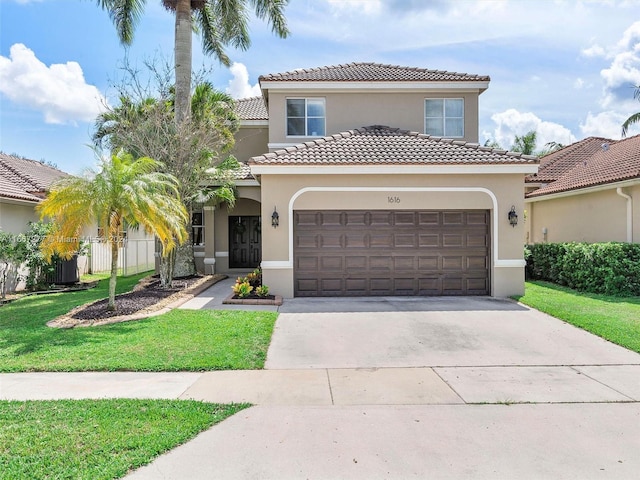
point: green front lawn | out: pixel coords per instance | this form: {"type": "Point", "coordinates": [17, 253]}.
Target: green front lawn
{"type": "Point", "coordinates": [178, 340]}
{"type": "Point", "coordinates": [616, 319]}
{"type": "Point", "coordinates": [96, 439]}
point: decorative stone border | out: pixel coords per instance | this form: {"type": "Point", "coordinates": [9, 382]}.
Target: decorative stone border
{"type": "Point", "coordinates": [252, 301]}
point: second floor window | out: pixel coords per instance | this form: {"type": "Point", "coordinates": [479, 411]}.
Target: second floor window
{"type": "Point", "coordinates": [444, 117]}
{"type": "Point", "coordinates": [305, 117]}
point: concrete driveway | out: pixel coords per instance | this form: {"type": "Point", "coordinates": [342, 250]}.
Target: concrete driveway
{"type": "Point", "coordinates": [430, 332]}
{"type": "Point", "coordinates": [388, 388]}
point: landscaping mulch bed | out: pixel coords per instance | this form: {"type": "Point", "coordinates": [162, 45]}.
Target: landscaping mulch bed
{"type": "Point", "coordinates": [146, 299]}
{"type": "Point", "coordinates": [253, 299]}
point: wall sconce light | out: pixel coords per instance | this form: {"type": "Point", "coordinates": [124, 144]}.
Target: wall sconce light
{"type": "Point", "coordinates": [513, 216]}
{"type": "Point", "coordinates": [275, 218]}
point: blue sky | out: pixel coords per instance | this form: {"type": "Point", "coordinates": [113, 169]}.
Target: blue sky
{"type": "Point", "coordinates": [564, 68]}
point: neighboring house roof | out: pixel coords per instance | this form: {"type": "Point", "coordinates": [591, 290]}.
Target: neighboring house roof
{"type": "Point", "coordinates": [556, 164]}
{"type": "Point", "coordinates": [371, 72]}
{"type": "Point", "coordinates": [252, 109]}
{"type": "Point", "coordinates": [618, 161]}
{"type": "Point", "coordinates": [25, 179]}
{"type": "Point", "coordinates": [381, 145]}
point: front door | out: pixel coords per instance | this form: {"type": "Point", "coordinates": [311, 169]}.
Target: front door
{"type": "Point", "coordinates": [245, 242]}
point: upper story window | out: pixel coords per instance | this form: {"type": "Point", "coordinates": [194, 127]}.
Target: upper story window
{"type": "Point", "coordinates": [444, 117]}
{"type": "Point", "coordinates": [305, 117]}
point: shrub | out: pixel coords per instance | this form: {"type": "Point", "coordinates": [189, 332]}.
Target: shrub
{"type": "Point", "coordinates": [255, 278]}
{"type": "Point", "coordinates": [262, 291]}
{"type": "Point", "coordinates": [242, 289]}
{"type": "Point", "coordinates": [609, 268]}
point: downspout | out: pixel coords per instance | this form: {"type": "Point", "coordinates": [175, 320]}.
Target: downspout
{"type": "Point", "coordinates": [629, 213]}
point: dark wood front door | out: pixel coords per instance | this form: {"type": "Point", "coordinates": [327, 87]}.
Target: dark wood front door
{"type": "Point", "coordinates": [245, 242]}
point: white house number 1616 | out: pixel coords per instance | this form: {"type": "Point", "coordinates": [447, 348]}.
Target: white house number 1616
{"type": "Point", "coordinates": [393, 199]}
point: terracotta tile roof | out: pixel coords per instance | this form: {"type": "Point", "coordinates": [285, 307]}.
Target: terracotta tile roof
{"type": "Point", "coordinates": [26, 179]}
{"type": "Point", "coordinates": [252, 109]}
{"type": "Point", "coordinates": [556, 164]}
{"type": "Point", "coordinates": [371, 72]}
{"type": "Point", "coordinates": [620, 161]}
{"type": "Point", "coordinates": [381, 145]}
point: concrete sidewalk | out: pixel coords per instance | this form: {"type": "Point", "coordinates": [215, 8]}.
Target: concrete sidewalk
{"type": "Point", "coordinates": [361, 386]}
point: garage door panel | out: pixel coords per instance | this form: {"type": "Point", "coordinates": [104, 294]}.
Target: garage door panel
{"type": "Point", "coordinates": [380, 286]}
{"type": "Point", "coordinates": [476, 262]}
{"type": "Point", "coordinates": [355, 263]}
{"type": "Point", "coordinates": [304, 219]}
{"type": "Point", "coordinates": [309, 264]}
{"type": "Point", "coordinates": [428, 240]}
{"type": "Point", "coordinates": [332, 263]}
{"type": "Point", "coordinates": [453, 218]}
{"type": "Point", "coordinates": [356, 286]}
{"type": "Point", "coordinates": [377, 240]}
{"type": "Point", "coordinates": [391, 253]}
{"type": "Point", "coordinates": [452, 240]}
{"type": "Point", "coordinates": [308, 241]}
{"type": "Point", "coordinates": [404, 219]}
{"type": "Point", "coordinates": [404, 263]}
{"type": "Point", "coordinates": [331, 240]}
{"type": "Point", "coordinates": [477, 240]}
{"type": "Point", "coordinates": [405, 240]}
{"type": "Point", "coordinates": [427, 219]}
{"type": "Point", "coordinates": [335, 285]}
{"type": "Point", "coordinates": [357, 219]}
{"type": "Point", "coordinates": [378, 263]}
{"type": "Point", "coordinates": [356, 240]}
{"type": "Point", "coordinates": [381, 219]}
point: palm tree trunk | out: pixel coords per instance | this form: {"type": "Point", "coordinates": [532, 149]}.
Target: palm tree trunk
{"type": "Point", "coordinates": [114, 274]}
{"type": "Point", "coordinates": [182, 53]}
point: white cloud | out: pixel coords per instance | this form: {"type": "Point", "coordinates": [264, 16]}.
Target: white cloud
{"type": "Point", "coordinates": [512, 122]}
{"type": "Point", "coordinates": [606, 124]}
{"type": "Point", "coordinates": [59, 91]}
{"type": "Point", "coordinates": [624, 70]}
{"type": "Point", "coordinates": [239, 86]}
{"type": "Point", "coordinates": [594, 51]}
{"type": "Point", "coordinates": [578, 84]}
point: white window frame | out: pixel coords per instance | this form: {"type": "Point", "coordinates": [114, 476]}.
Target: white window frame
{"type": "Point", "coordinates": [444, 117]}
{"type": "Point", "coordinates": [197, 227]}
{"type": "Point", "coordinates": [306, 117]}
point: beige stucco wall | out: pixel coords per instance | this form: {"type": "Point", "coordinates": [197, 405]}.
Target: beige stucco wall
{"type": "Point", "coordinates": [251, 141]}
{"type": "Point", "coordinates": [14, 216]}
{"type": "Point", "coordinates": [599, 216]}
{"type": "Point", "coordinates": [348, 110]}
{"type": "Point", "coordinates": [499, 192]}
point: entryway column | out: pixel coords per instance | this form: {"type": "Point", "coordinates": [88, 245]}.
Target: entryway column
{"type": "Point", "coordinates": [209, 213]}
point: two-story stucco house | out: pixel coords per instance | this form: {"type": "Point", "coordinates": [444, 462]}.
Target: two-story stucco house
{"type": "Point", "coordinates": [367, 179]}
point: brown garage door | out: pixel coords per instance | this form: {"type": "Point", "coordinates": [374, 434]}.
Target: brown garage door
{"type": "Point", "coordinates": [380, 252]}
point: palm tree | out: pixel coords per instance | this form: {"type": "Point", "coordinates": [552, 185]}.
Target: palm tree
{"type": "Point", "coordinates": [525, 144]}
{"type": "Point", "coordinates": [633, 119]}
{"type": "Point", "coordinates": [124, 193]}
{"type": "Point", "coordinates": [221, 23]}
{"type": "Point", "coordinates": [195, 152]}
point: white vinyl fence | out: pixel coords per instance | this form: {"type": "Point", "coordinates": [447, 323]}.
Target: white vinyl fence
{"type": "Point", "coordinates": [134, 256]}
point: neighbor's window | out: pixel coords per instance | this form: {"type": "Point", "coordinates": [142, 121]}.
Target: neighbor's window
{"type": "Point", "coordinates": [197, 228]}
{"type": "Point", "coordinates": [444, 117]}
{"type": "Point", "coordinates": [305, 117]}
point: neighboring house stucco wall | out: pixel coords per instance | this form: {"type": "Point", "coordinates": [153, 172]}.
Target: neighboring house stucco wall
{"type": "Point", "coordinates": [15, 216]}
{"type": "Point", "coordinates": [493, 192]}
{"type": "Point", "coordinates": [599, 216]}
{"type": "Point", "coordinates": [348, 110]}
